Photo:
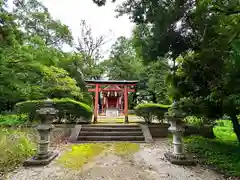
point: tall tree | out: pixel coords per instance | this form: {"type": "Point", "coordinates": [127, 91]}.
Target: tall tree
{"type": "Point", "coordinates": [123, 62]}
{"type": "Point", "coordinates": [196, 35]}
{"type": "Point", "coordinates": [90, 49]}
{"type": "Point", "coordinates": [35, 19]}
{"type": "Point", "coordinates": [29, 67]}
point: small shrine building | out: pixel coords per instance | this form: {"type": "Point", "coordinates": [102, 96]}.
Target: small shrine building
{"type": "Point", "coordinates": [111, 97]}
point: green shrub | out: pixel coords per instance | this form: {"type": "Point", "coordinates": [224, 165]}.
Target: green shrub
{"type": "Point", "coordinates": [150, 111]}
{"type": "Point", "coordinates": [69, 109]}
{"type": "Point", "coordinates": [13, 119]}
{"type": "Point", "coordinates": [193, 120]}
{"type": "Point", "coordinates": [199, 121]}
{"type": "Point", "coordinates": [15, 146]}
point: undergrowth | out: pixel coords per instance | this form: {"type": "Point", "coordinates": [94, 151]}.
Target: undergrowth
{"type": "Point", "coordinates": [15, 146]}
{"type": "Point", "coordinates": [222, 153]}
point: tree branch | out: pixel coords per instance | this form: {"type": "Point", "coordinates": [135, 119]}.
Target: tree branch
{"type": "Point", "coordinates": [227, 12]}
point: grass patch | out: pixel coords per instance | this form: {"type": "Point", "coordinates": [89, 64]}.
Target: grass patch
{"type": "Point", "coordinates": [222, 153]}
{"type": "Point", "coordinates": [118, 120]}
{"type": "Point", "coordinates": [83, 153]}
{"type": "Point", "coordinates": [15, 146]}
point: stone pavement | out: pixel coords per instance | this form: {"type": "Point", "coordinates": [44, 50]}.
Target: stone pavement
{"type": "Point", "coordinates": [147, 164]}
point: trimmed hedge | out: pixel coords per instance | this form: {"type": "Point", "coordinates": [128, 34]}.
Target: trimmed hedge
{"type": "Point", "coordinates": [69, 109]}
{"type": "Point", "coordinates": [150, 111]}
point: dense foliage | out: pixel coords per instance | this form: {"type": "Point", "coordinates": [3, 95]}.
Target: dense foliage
{"type": "Point", "coordinates": [124, 63]}
{"type": "Point", "coordinates": [13, 119]}
{"type": "Point", "coordinates": [200, 39]}
{"type": "Point", "coordinates": [32, 62]}
{"type": "Point", "coordinates": [151, 111]}
{"type": "Point", "coordinates": [68, 109]}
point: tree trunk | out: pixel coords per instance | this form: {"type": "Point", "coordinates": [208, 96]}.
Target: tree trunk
{"type": "Point", "coordinates": [236, 126]}
{"type": "Point", "coordinates": [154, 98]}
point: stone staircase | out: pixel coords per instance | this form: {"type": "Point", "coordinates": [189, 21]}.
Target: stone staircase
{"type": "Point", "coordinates": [110, 132]}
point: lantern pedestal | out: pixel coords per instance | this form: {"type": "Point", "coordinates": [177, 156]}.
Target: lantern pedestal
{"type": "Point", "coordinates": [43, 156]}
{"type": "Point", "coordinates": [178, 156]}
{"type": "Point", "coordinates": [41, 162]}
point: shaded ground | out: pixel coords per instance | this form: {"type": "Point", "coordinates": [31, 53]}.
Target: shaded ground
{"type": "Point", "coordinates": [147, 164]}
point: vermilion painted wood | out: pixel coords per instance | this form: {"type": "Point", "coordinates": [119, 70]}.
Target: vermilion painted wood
{"type": "Point", "coordinates": [114, 90]}
{"type": "Point", "coordinates": [125, 100]}
{"type": "Point", "coordinates": [105, 84]}
{"type": "Point", "coordinates": [120, 86]}
{"type": "Point", "coordinates": [96, 102]}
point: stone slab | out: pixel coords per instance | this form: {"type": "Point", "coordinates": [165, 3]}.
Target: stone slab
{"type": "Point", "coordinates": [74, 134]}
{"type": "Point", "coordinates": [42, 162]}
{"type": "Point", "coordinates": [146, 133]}
{"type": "Point", "coordinates": [112, 112]}
{"type": "Point", "coordinates": [158, 130]}
{"type": "Point", "coordinates": [187, 161]}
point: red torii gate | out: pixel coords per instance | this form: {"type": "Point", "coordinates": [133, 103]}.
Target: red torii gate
{"type": "Point", "coordinates": [121, 86]}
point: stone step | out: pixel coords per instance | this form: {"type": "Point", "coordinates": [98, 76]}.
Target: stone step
{"type": "Point", "coordinates": [110, 133]}
{"type": "Point", "coordinates": [110, 129]}
{"type": "Point", "coordinates": [82, 142]}
{"type": "Point", "coordinates": [111, 138]}
{"type": "Point", "coordinates": [106, 141]}
{"type": "Point", "coordinates": [112, 125]}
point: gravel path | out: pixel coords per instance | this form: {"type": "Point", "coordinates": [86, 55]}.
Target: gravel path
{"type": "Point", "coordinates": [147, 164]}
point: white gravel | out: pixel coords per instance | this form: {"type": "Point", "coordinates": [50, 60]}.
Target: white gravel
{"type": "Point", "coordinates": [147, 164]}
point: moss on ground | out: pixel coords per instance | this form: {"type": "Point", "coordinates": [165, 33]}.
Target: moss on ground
{"type": "Point", "coordinates": [125, 148]}
{"type": "Point", "coordinates": [83, 153]}
{"type": "Point", "coordinates": [80, 155]}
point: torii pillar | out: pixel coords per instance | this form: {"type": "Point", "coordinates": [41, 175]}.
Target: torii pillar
{"type": "Point", "coordinates": [126, 103]}
{"type": "Point", "coordinates": [96, 103]}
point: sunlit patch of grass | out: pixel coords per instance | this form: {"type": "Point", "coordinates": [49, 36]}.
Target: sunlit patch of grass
{"type": "Point", "coordinates": [83, 153]}
{"type": "Point", "coordinates": [118, 120]}
{"type": "Point", "coordinates": [125, 148]}
{"type": "Point", "coordinates": [224, 131]}
{"type": "Point", "coordinates": [111, 120]}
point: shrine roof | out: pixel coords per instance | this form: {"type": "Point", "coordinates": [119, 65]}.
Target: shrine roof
{"type": "Point", "coordinates": [112, 86]}
{"type": "Point", "coordinates": [111, 81]}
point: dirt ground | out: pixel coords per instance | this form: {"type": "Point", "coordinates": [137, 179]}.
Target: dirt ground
{"type": "Point", "coordinates": [147, 164]}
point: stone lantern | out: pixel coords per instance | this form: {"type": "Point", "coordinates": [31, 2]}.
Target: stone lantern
{"type": "Point", "coordinates": [47, 114]}
{"type": "Point", "coordinates": [175, 117]}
